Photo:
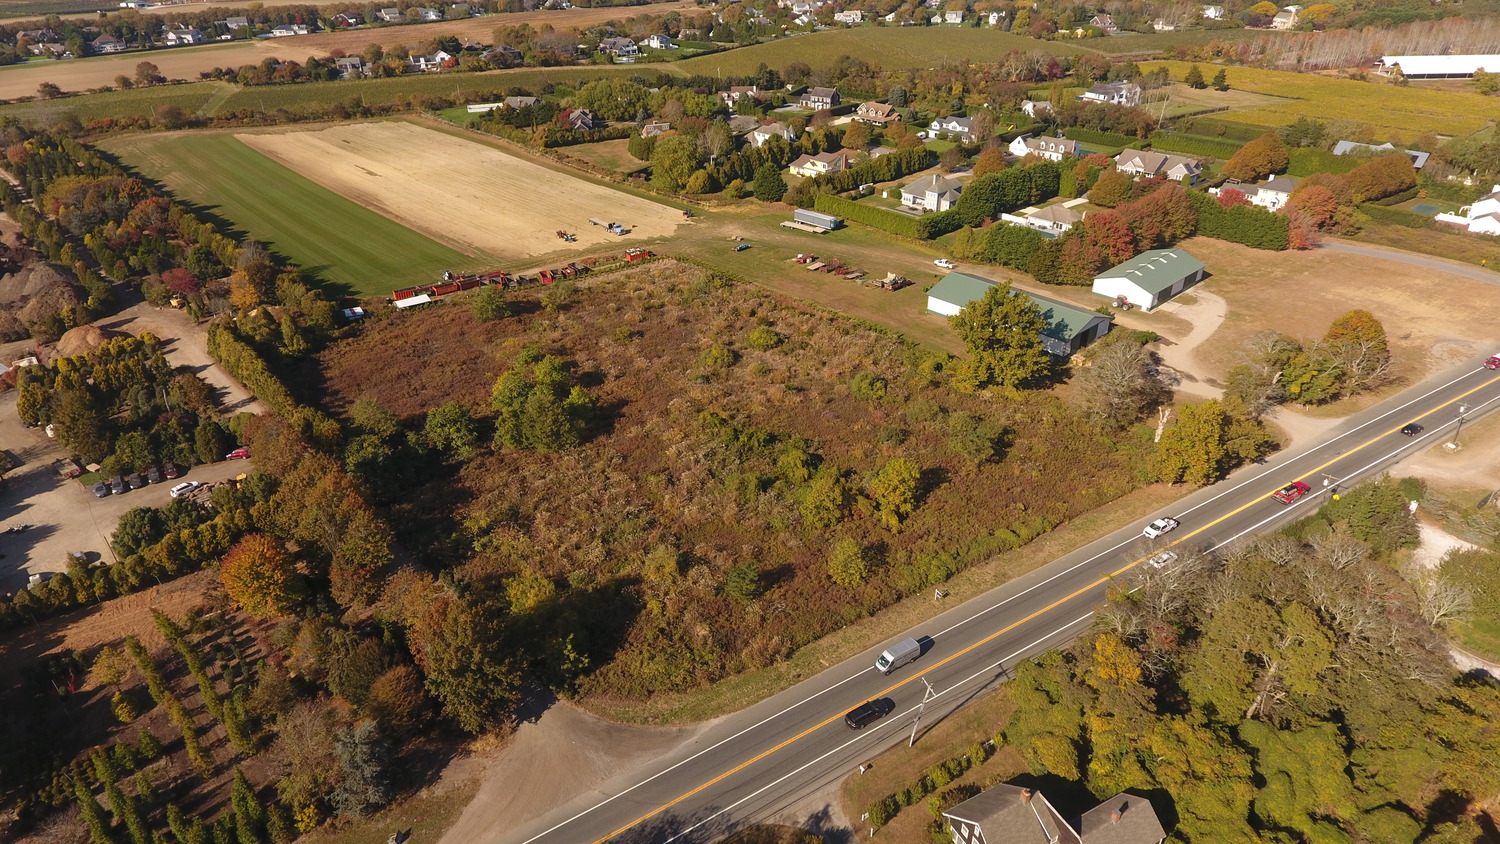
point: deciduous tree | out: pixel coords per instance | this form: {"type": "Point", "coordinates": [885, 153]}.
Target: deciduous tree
{"type": "Point", "coordinates": [894, 491]}
{"type": "Point", "coordinates": [1003, 333]}
{"type": "Point", "coordinates": [847, 566]}
{"type": "Point", "coordinates": [1120, 383]}
{"type": "Point", "coordinates": [257, 574]}
{"type": "Point", "coordinates": [1261, 157]}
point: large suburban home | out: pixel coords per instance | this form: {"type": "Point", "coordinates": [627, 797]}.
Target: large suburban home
{"type": "Point", "coordinates": [183, 37]}
{"type": "Point", "coordinates": [1119, 93]}
{"type": "Point", "coordinates": [819, 99]}
{"type": "Point", "coordinates": [652, 128]}
{"type": "Point", "coordinates": [288, 29]}
{"type": "Point", "coordinates": [954, 127]}
{"type": "Point", "coordinates": [1105, 23]}
{"type": "Point", "coordinates": [390, 15]}
{"type": "Point", "coordinates": [107, 43]}
{"type": "Point", "coordinates": [1482, 217]}
{"type": "Point", "coordinates": [877, 114]}
{"type": "Point", "coordinates": [736, 93]}
{"type": "Point", "coordinates": [425, 62]}
{"type": "Point", "coordinates": [1150, 278]}
{"type": "Point", "coordinates": [344, 19]}
{"type": "Point", "coordinates": [820, 164]}
{"type": "Point", "coordinates": [619, 46]}
{"type": "Point", "coordinates": [1147, 164]}
{"type": "Point", "coordinates": [1164, 25]}
{"type": "Point", "coordinates": [931, 193]}
{"type": "Point", "coordinates": [1017, 815]}
{"type": "Point", "coordinates": [658, 42]}
{"type": "Point", "coordinates": [1051, 149]}
{"type": "Point", "coordinates": [1054, 219]}
{"type": "Point", "coordinates": [851, 17]}
{"type": "Point", "coordinates": [502, 55]}
{"type": "Point", "coordinates": [580, 118]}
{"type": "Point", "coordinates": [760, 134]}
{"type": "Point", "coordinates": [350, 67]}
{"type": "Point", "coordinates": [953, 16]}
{"type": "Point", "coordinates": [520, 102]}
{"type": "Point", "coordinates": [1286, 18]}
{"type": "Point", "coordinates": [240, 22]}
{"type": "Point", "coordinates": [430, 15]}
{"type": "Point", "coordinates": [1418, 158]}
{"type": "Point", "coordinates": [1213, 13]}
{"type": "Point", "coordinates": [1069, 328]}
{"type": "Point", "coordinates": [1271, 196]}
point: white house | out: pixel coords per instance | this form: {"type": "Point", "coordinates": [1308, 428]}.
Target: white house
{"type": "Point", "coordinates": [953, 16]}
{"type": "Point", "coordinates": [1051, 149]}
{"type": "Point", "coordinates": [1104, 22]}
{"type": "Point", "coordinates": [1035, 109]}
{"type": "Point", "coordinates": [851, 17]}
{"type": "Point", "coordinates": [1150, 278]}
{"type": "Point", "coordinates": [1213, 13]}
{"type": "Point", "coordinates": [962, 127]}
{"type": "Point", "coordinates": [183, 37]}
{"type": "Point", "coordinates": [1163, 25]}
{"type": "Point", "coordinates": [1147, 164]}
{"type": "Point", "coordinates": [1271, 196]}
{"type": "Point", "coordinates": [877, 114]}
{"type": "Point", "coordinates": [736, 93]}
{"type": "Point", "coordinates": [1119, 93]}
{"type": "Point", "coordinates": [618, 46]}
{"type": "Point", "coordinates": [351, 67]}
{"type": "Point", "coordinates": [1483, 217]}
{"type": "Point", "coordinates": [931, 193]}
{"type": "Point", "coordinates": [390, 15]}
{"type": "Point", "coordinates": [820, 164]}
{"type": "Point", "coordinates": [288, 29]}
{"type": "Point", "coordinates": [240, 22]}
{"type": "Point", "coordinates": [994, 18]}
{"type": "Point", "coordinates": [659, 42]}
{"type": "Point", "coordinates": [432, 15]}
{"type": "Point", "coordinates": [1054, 219]}
{"type": "Point", "coordinates": [760, 134]}
{"type": "Point", "coordinates": [107, 43]}
{"type": "Point", "coordinates": [1286, 18]}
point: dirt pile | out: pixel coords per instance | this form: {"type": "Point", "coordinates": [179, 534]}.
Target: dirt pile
{"type": "Point", "coordinates": [84, 339]}
{"type": "Point", "coordinates": [35, 294]}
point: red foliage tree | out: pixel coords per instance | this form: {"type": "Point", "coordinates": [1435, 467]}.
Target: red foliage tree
{"type": "Point", "coordinates": [181, 282]}
{"type": "Point", "coordinates": [1109, 234]}
{"type": "Point", "coordinates": [1317, 205]}
{"type": "Point", "coordinates": [1229, 197]}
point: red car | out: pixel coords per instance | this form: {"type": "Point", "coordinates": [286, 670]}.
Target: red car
{"type": "Point", "coordinates": [238, 454]}
{"type": "Point", "coordinates": [1291, 492]}
{"type": "Point", "coordinates": [1493, 362]}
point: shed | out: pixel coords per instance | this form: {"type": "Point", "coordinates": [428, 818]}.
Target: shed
{"type": "Point", "coordinates": [1070, 327]}
{"type": "Point", "coordinates": [813, 218]}
{"type": "Point", "coordinates": [1150, 278]}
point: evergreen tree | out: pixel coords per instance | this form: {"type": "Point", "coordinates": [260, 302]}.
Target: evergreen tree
{"type": "Point", "coordinates": [1194, 78]}
{"type": "Point", "coordinates": [364, 758]}
{"type": "Point", "coordinates": [1221, 81]}
{"type": "Point", "coordinates": [769, 186]}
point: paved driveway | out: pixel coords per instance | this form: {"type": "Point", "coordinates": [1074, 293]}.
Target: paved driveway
{"type": "Point", "coordinates": [64, 515]}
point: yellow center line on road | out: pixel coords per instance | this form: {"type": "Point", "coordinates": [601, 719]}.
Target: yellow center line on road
{"type": "Point", "coordinates": [1001, 632]}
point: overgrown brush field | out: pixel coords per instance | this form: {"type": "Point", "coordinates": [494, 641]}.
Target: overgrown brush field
{"type": "Point", "coordinates": [333, 239]}
{"type": "Point", "coordinates": [1131, 43]}
{"type": "Point", "coordinates": [718, 513]}
{"type": "Point", "coordinates": [888, 47]}
{"type": "Point", "coordinates": [1411, 110]}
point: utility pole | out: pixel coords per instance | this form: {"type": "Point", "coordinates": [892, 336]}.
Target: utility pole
{"type": "Point", "coordinates": [1462, 409]}
{"type": "Point", "coordinates": [928, 695]}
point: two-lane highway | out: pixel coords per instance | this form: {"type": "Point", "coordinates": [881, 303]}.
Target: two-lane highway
{"type": "Point", "coordinates": [751, 766]}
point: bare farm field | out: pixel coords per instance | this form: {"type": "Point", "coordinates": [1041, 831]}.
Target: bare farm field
{"type": "Point", "coordinates": [471, 196]}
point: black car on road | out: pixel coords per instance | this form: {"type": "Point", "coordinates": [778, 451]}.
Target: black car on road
{"type": "Point", "coordinates": [1412, 430]}
{"type": "Point", "coordinates": [869, 712]}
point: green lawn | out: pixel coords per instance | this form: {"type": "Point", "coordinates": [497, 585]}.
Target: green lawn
{"type": "Point", "coordinates": [347, 247]}
{"type": "Point", "coordinates": [889, 47]}
{"type": "Point", "coordinates": [87, 107]}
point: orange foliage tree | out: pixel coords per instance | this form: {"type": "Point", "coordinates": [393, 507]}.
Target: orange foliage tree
{"type": "Point", "coordinates": [257, 573]}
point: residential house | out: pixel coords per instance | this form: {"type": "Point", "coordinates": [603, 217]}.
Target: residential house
{"type": "Point", "coordinates": [1069, 328]}
{"type": "Point", "coordinates": [954, 127]}
{"type": "Point", "coordinates": [952, 16]}
{"type": "Point", "coordinates": [1213, 13]}
{"type": "Point", "coordinates": [1150, 278]}
{"type": "Point", "coordinates": [289, 29]}
{"type": "Point", "coordinates": [470, 45]}
{"type": "Point", "coordinates": [618, 46]}
{"type": "Point", "coordinates": [820, 164]}
{"type": "Point", "coordinates": [1051, 149]}
{"type": "Point", "coordinates": [652, 128]}
{"type": "Point", "coordinates": [877, 114]}
{"type": "Point", "coordinates": [1286, 18]}
{"type": "Point", "coordinates": [994, 18]}
{"type": "Point", "coordinates": [183, 37]}
{"type": "Point", "coordinates": [818, 99]}
{"type": "Point", "coordinates": [1018, 815]}
{"type": "Point", "coordinates": [340, 19]}
{"type": "Point", "coordinates": [51, 51]}
{"type": "Point", "coordinates": [1437, 67]}
{"type": "Point", "coordinates": [1482, 217]}
{"type": "Point", "coordinates": [1054, 219]}
{"type": "Point", "coordinates": [502, 55]}
{"type": "Point", "coordinates": [736, 93]}
{"type": "Point", "coordinates": [1163, 25]}
{"type": "Point", "coordinates": [658, 42]}
{"type": "Point", "coordinates": [852, 17]}
{"type": "Point", "coordinates": [427, 15]}
{"type": "Point", "coordinates": [425, 62]}
{"type": "Point", "coordinates": [931, 193]}
{"type": "Point", "coordinates": [1148, 164]}
{"type": "Point", "coordinates": [879, 151]}
{"type": "Point", "coordinates": [743, 124]}
{"type": "Point", "coordinates": [520, 102]}
{"type": "Point", "coordinates": [107, 43]}
{"type": "Point", "coordinates": [391, 15]}
{"type": "Point", "coordinates": [1036, 109]}
{"type": "Point", "coordinates": [580, 118]}
{"type": "Point", "coordinates": [1119, 93]}
{"type": "Point", "coordinates": [1104, 22]}
{"type": "Point", "coordinates": [761, 134]}
{"type": "Point", "coordinates": [1271, 196]}
{"type": "Point", "coordinates": [350, 67]}
{"type": "Point", "coordinates": [1418, 158]}
{"type": "Point", "coordinates": [37, 36]}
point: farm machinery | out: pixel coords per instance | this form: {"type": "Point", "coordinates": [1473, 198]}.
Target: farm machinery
{"type": "Point", "coordinates": [567, 236]}
{"type": "Point", "coordinates": [612, 228]}
{"type": "Point", "coordinates": [633, 254]}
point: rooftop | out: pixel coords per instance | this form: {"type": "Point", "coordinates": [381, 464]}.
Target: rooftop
{"type": "Point", "coordinates": [1065, 321]}
{"type": "Point", "coordinates": [1156, 270]}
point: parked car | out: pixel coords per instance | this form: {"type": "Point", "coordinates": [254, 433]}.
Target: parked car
{"type": "Point", "coordinates": [1412, 429]}
{"type": "Point", "coordinates": [238, 454]}
{"type": "Point", "coordinates": [1291, 492]}
{"type": "Point", "coordinates": [1162, 559]}
{"type": "Point", "coordinates": [945, 264]}
{"type": "Point", "coordinates": [117, 485]}
{"type": "Point", "coordinates": [170, 470]}
{"type": "Point", "coordinates": [101, 490]}
{"type": "Point", "coordinates": [184, 488]}
{"type": "Point", "coordinates": [742, 247]}
{"type": "Point", "coordinates": [153, 475]}
{"type": "Point", "coordinates": [135, 480]}
{"type": "Point", "coordinates": [1160, 527]}
{"type": "Point", "coordinates": [869, 712]}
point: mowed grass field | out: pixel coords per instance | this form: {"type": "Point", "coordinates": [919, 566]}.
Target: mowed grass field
{"type": "Point", "coordinates": [889, 47]}
{"type": "Point", "coordinates": [350, 249]}
{"type": "Point", "coordinates": [1410, 110]}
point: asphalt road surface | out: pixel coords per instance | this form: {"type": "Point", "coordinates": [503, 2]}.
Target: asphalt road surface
{"type": "Point", "coordinates": [754, 764]}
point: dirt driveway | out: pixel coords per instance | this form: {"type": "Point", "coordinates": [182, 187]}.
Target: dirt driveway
{"type": "Point", "coordinates": [185, 344]}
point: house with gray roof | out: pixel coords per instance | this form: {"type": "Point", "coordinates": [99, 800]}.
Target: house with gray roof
{"type": "Point", "coordinates": [1150, 278]}
{"type": "Point", "coordinates": [931, 193]}
{"type": "Point", "coordinates": [1418, 158]}
{"type": "Point", "coordinates": [1145, 163]}
{"type": "Point", "coordinates": [1054, 219]}
{"type": "Point", "coordinates": [1070, 327]}
{"type": "Point", "coordinates": [1016, 815]}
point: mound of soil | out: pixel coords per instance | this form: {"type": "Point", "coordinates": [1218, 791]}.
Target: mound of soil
{"type": "Point", "coordinates": [35, 293]}
{"type": "Point", "coordinates": [84, 339]}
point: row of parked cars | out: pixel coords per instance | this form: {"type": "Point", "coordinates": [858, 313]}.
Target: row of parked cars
{"type": "Point", "coordinates": [121, 484]}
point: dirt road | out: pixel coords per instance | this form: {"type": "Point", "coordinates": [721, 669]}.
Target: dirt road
{"type": "Point", "coordinates": [185, 344]}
